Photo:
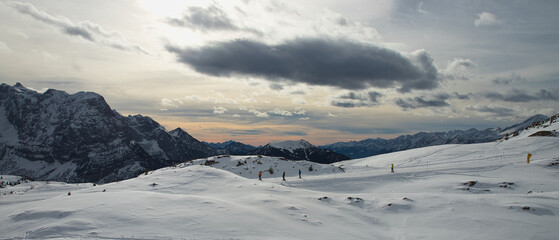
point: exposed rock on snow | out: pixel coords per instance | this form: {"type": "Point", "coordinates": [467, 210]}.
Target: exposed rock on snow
{"type": "Point", "coordinates": [78, 138]}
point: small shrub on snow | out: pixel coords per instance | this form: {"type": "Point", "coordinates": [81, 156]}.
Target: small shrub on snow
{"type": "Point", "coordinates": [271, 170]}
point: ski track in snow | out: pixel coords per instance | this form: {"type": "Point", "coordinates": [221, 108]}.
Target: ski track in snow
{"type": "Point", "coordinates": [477, 191]}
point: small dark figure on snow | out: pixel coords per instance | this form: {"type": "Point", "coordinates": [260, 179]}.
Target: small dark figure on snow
{"type": "Point", "coordinates": [392, 168]}
{"type": "Point", "coordinates": [283, 176]}
{"type": "Point", "coordinates": [260, 175]}
{"type": "Point", "coordinates": [299, 173]}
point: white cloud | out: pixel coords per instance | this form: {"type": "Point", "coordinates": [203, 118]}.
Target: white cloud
{"type": "Point", "coordinates": [168, 102]}
{"type": "Point", "coordinates": [332, 115]}
{"type": "Point", "coordinates": [420, 8]}
{"type": "Point", "coordinates": [460, 69]}
{"type": "Point", "coordinates": [304, 118]}
{"type": "Point", "coordinates": [258, 113]}
{"type": "Point", "coordinates": [4, 47]}
{"type": "Point", "coordinates": [250, 100]}
{"type": "Point", "coordinates": [219, 110]}
{"type": "Point", "coordinates": [215, 100]}
{"type": "Point", "coordinates": [282, 112]}
{"type": "Point", "coordinates": [85, 29]}
{"type": "Point", "coordinates": [299, 100]}
{"type": "Point", "coordinates": [300, 111]}
{"type": "Point", "coordinates": [487, 19]}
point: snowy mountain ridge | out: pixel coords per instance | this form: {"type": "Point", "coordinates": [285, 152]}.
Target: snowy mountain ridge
{"type": "Point", "coordinates": [79, 138]}
{"type": "Point", "coordinates": [299, 150]}
{"type": "Point", "coordinates": [291, 145]}
{"type": "Point", "coordinates": [371, 147]}
{"type": "Point", "coordinates": [542, 127]}
{"type": "Point", "coordinates": [232, 147]}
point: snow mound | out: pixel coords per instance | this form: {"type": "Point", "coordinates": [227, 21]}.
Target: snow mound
{"type": "Point", "coordinates": [250, 166]}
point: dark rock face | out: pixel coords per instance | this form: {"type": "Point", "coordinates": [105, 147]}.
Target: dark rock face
{"type": "Point", "coordinates": [303, 151]}
{"type": "Point", "coordinates": [78, 138]}
{"type": "Point", "coordinates": [232, 148]}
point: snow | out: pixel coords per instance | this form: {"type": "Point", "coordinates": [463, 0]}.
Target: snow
{"type": "Point", "coordinates": [291, 145]}
{"type": "Point", "coordinates": [475, 191]}
{"type": "Point", "coordinates": [550, 125]}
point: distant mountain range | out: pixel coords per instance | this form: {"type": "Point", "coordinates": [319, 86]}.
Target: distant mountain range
{"type": "Point", "coordinates": [79, 138]}
{"type": "Point", "coordinates": [371, 147]}
{"type": "Point", "coordinates": [232, 148]}
{"type": "Point", "coordinates": [299, 150]}
{"type": "Point", "coordinates": [292, 150]}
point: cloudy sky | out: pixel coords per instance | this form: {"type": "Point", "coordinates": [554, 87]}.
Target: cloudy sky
{"type": "Point", "coordinates": [258, 71]}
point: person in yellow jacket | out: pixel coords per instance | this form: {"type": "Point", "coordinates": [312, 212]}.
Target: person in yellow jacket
{"type": "Point", "coordinates": [392, 168]}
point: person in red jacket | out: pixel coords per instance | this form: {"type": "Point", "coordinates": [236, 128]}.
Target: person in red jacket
{"type": "Point", "coordinates": [260, 175]}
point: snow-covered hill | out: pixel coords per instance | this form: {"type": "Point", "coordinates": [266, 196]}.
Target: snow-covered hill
{"type": "Point", "coordinates": [546, 127]}
{"type": "Point", "coordinates": [474, 191]}
{"type": "Point", "coordinates": [250, 166]}
{"type": "Point", "coordinates": [300, 150]}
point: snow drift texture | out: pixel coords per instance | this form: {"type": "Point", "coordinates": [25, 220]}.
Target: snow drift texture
{"type": "Point", "coordinates": [473, 191]}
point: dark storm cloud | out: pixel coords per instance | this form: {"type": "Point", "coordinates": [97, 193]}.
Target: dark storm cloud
{"type": "Point", "coordinates": [514, 78]}
{"type": "Point", "coordinates": [204, 19]}
{"type": "Point", "coordinates": [439, 100]}
{"type": "Point", "coordinates": [462, 96]}
{"type": "Point", "coordinates": [325, 62]}
{"type": "Point", "coordinates": [275, 86]}
{"type": "Point", "coordinates": [207, 19]}
{"type": "Point", "coordinates": [353, 99]}
{"type": "Point", "coordinates": [496, 111]}
{"type": "Point", "coordinates": [517, 95]}
{"type": "Point", "coordinates": [236, 132]}
{"type": "Point", "coordinates": [77, 31]}
{"type": "Point", "coordinates": [420, 102]}
{"type": "Point", "coordinates": [551, 95]}
{"type": "Point", "coordinates": [295, 133]}
{"type": "Point", "coordinates": [87, 30]}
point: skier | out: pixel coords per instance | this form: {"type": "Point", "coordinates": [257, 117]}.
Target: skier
{"type": "Point", "coordinates": [392, 168]}
{"type": "Point", "coordinates": [260, 175]}
{"type": "Point", "coordinates": [299, 173]}
{"type": "Point", "coordinates": [283, 176]}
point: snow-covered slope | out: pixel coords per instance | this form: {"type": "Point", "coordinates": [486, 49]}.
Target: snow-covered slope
{"type": "Point", "coordinates": [249, 166]}
{"type": "Point", "coordinates": [291, 145]}
{"type": "Point", "coordinates": [546, 127]}
{"type": "Point", "coordinates": [521, 126]}
{"type": "Point", "coordinates": [300, 150]}
{"type": "Point", "coordinates": [475, 191]}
